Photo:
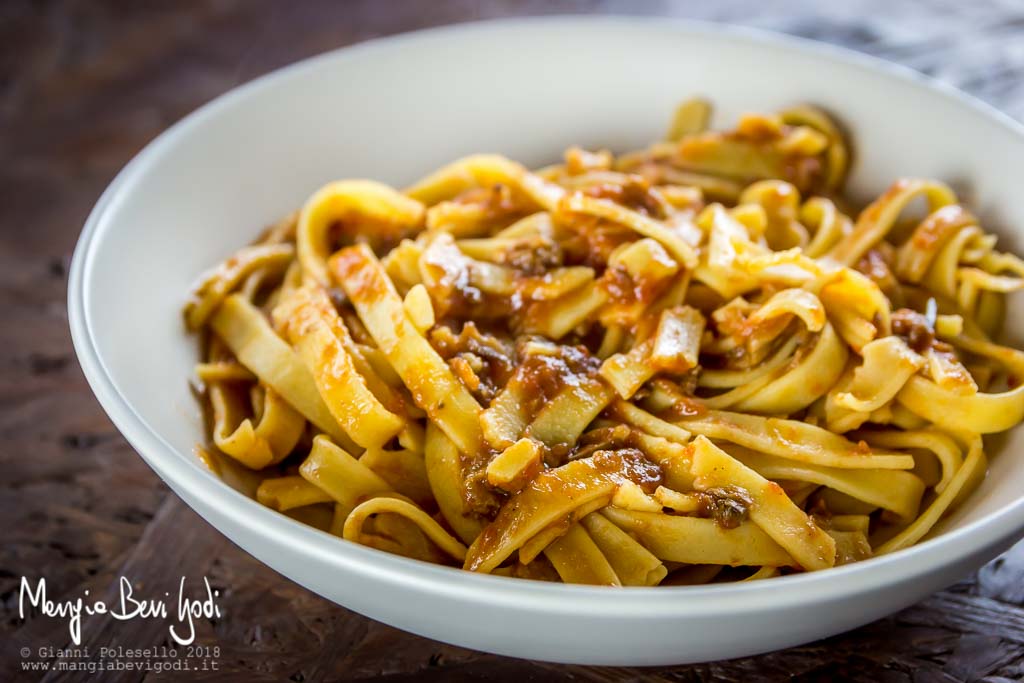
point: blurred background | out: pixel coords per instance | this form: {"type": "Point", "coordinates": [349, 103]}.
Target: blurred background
{"type": "Point", "coordinates": [85, 84]}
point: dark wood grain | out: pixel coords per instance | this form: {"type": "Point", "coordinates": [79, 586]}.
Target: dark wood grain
{"type": "Point", "coordinates": [84, 86]}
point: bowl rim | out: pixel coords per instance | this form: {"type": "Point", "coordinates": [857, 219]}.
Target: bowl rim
{"type": "Point", "coordinates": [385, 568]}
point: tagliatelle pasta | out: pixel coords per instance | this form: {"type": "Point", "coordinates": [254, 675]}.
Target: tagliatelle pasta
{"type": "Point", "coordinates": [683, 364]}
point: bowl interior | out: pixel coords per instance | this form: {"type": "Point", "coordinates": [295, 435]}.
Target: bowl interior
{"type": "Point", "coordinates": [394, 110]}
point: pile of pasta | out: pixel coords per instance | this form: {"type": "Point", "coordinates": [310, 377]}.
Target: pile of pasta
{"type": "Point", "coordinates": [684, 364]}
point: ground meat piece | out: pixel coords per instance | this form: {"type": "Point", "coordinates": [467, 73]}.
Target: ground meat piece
{"type": "Point", "coordinates": [635, 194]}
{"type": "Point", "coordinates": [483, 361]}
{"type": "Point", "coordinates": [590, 241]}
{"type": "Point", "coordinates": [632, 464]}
{"type": "Point", "coordinates": [729, 506]}
{"type": "Point", "coordinates": [874, 266]}
{"type": "Point", "coordinates": [533, 256]}
{"type": "Point", "coordinates": [545, 368]}
{"type": "Point", "coordinates": [607, 438]}
{"type": "Point", "coordinates": [498, 201]}
{"type": "Point", "coordinates": [914, 328]}
{"type": "Point", "coordinates": [481, 499]}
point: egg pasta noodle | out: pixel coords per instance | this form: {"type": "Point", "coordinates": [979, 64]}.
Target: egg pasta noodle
{"type": "Point", "coordinates": [688, 363]}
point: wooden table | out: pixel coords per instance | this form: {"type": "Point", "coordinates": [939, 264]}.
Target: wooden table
{"type": "Point", "coordinates": [83, 87]}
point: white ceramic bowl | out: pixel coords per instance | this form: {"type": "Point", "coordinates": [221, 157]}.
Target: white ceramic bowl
{"type": "Point", "coordinates": [396, 108]}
